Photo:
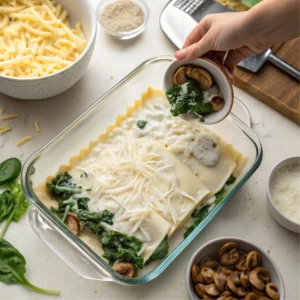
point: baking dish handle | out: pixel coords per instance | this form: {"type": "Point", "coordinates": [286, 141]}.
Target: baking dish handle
{"type": "Point", "coordinates": [73, 257]}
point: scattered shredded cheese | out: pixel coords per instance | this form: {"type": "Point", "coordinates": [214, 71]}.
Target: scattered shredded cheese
{"type": "Point", "coordinates": [37, 126]}
{"type": "Point", "coordinates": [13, 116]}
{"type": "Point", "coordinates": [4, 126]}
{"type": "Point", "coordinates": [1, 110]}
{"type": "Point", "coordinates": [24, 140]}
{"type": "Point", "coordinates": [4, 130]}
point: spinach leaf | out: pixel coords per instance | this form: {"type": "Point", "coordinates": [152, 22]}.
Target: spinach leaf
{"type": "Point", "coordinates": [141, 124]}
{"type": "Point", "coordinates": [250, 3]}
{"type": "Point", "coordinates": [161, 251]}
{"type": "Point", "coordinates": [220, 196]}
{"type": "Point", "coordinates": [62, 188]}
{"type": "Point", "coordinates": [7, 204]}
{"type": "Point", "coordinates": [13, 268]}
{"type": "Point", "coordinates": [20, 206]}
{"type": "Point", "coordinates": [231, 180]}
{"type": "Point", "coordinates": [188, 98]}
{"type": "Point", "coordinates": [9, 170]}
{"type": "Point", "coordinates": [199, 215]}
{"type": "Point", "coordinates": [122, 247]}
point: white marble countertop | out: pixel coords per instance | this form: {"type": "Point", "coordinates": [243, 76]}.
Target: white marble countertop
{"type": "Point", "coordinates": [246, 210]}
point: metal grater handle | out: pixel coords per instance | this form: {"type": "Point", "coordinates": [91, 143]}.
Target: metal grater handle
{"type": "Point", "coordinates": [192, 6]}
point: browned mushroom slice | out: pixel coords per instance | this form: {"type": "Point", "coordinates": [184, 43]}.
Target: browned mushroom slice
{"type": "Point", "coordinates": [222, 298]}
{"type": "Point", "coordinates": [226, 271]}
{"type": "Point", "coordinates": [188, 71]}
{"type": "Point", "coordinates": [202, 77]}
{"type": "Point", "coordinates": [253, 259]}
{"type": "Point", "coordinates": [73, 223]}
{"type": "Point", "coordinates": [211, 290]}
{"type": "Point", "coordinates": [227, 247]}
{"type": "Point", "coordinates": [206, 297]}
{"type": "Point", "coordinates": [241, 263]}
{"type": "Point", "coordinates": [180, 76]}
{"type": "Point", "coordinates": [230, 258]}
{"type": "Point", "coordinates": [240, 291]}
{"type": "Point", "coordinates": [226, 294]}
{"type": "Point", "coordinates": [231, 298]}
{"type": "Point", "coordinates": [251, 296]}
{"type": "Point", "coordinates": [264, 298]}
{"type": "Point", "coordinates": [220, 281]}
{"type": "Point", "coordinates": [124, 268]}
{"type": "Point", "coordinates": [208, 275]}
{"type": "Point", "coordinates": [259, 277]}
{"type": "Point", "coordinates": [272, 291]}
{"type": "Point", "coordinates": [257, 291]}
{"type": "Point", "coordinates": [244, 278]}
{"type": "Point", "coordinates": [217, 102]}
{"type": "Point", "coordinates": [195, 272]}
{"type": "Point", "coordinates": [199, 290]}
{"type": "Point", "coordinates": [208, 262]}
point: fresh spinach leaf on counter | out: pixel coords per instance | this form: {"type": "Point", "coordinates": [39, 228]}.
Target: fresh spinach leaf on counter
{"type": "Point", "coordinates": [161, 251]}
{"type": "Point", "coordinates": [20, 205]}
{"type": "Point", "coordinates": [7, 204]}
{"type": "Point", "coordinates": [250, 3]}
{"type": "Point", "coordinates": [62, 188]}
{"type": "Point", "coordinates": [9, 170]}
{"type": "Point", "coordinates": [122, 247]}
{"type": "Point", "coordinates": [141, 124]}
{"type": "Point", "coordinates": [13, 268]}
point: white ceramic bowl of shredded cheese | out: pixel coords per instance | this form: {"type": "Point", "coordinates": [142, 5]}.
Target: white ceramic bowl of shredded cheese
{"type": "Point", "coordinates": [53, 84]}
{"type": "Point", "coordinates": [283, 193]}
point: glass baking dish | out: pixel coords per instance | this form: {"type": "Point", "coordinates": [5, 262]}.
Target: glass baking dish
{"type": "Point", "coordinates": [80, 257]}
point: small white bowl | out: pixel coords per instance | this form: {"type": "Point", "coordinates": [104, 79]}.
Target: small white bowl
{"type": "Point", "coordinates": [123, 35]}
{"type": "Point", "coordinates": [58, 82]}
{"type": "Point", "coordinates": [220, 79]}
{"type": "Point", "coordinates": [211, 249]}
{"type": "Point", "coordinates": [276, 214]}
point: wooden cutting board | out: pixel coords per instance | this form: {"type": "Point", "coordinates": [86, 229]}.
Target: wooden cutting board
{"type": "Point", "coordinates": [272, 86]}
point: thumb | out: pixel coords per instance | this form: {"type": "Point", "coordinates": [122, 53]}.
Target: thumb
{"type": "Point", "coordinates": [195, 50]}
{"type": "Point", "coordinates": [234, 57]}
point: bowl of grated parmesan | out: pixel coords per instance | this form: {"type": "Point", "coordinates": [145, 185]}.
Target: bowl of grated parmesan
{"type": "Point", "coordinates": [283, 193]}
{"type": "Point", "coordinates": [123, 19]}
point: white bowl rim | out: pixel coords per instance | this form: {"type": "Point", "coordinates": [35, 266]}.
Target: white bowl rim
{"type": "Point", "coordinates": [233, 239]}
{"type": "Point", "coordinates": [270, 199]}
{"type": "Point", "coordinates": [124, 33]}
{"type": "Point", "coordinates": [87, 48]}
{"type": "Point", "coordinates": [209, 61]}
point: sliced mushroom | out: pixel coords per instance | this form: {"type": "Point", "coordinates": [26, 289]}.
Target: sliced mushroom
{"type": "Point", "coordinates": [220, 281]}
{"type": "Point", "coordinates": [211, 290]}
{"type": "Point", "coordinates": [206, 297]}
{"type": "Point", "coordinates": [208, 275]}
{"type": "Point", "coordinates": [199, 290]}
{"type": "Point", "coordinates": [73, 223]}
{"type": "Point", "coordinates": [263, 298]}
{"type": "Point", "coordinates": [259, 277]}
{"type": "Point", "coordinates": [226, 294]}
{"type": "Point", "coordinates": [251, 296]}
{"type": "Point", "coordinates": [217, 102]}
{"type": "Point", "coordinates": [236, 278]}
{"type": "Point", "coordinates": [180, 76]}
{"type": "Point", "coordinates": [244, 278]}
{"type": "Point", "coordinates": [227, 271]}
{"type": "Point", "coordinates": [202, 77]}
{"type": "Point", "coordinates": [195, 272]}
{"type": "Point", "coordinates": [230, 258]}
{"type": "Point", "coordinates": [227, 247]}
{"type": "Point", "coordinates": [200, 278]}
{"type": "Point", "coordinates": [222, 298]}
{"type": "Point", "coordinates": [272, 291]}
{"type": "Point", "coordinates": [208, 262]}
{"type": "Point", "coordinates": [240, 291]}
{"type": "Point", "coordinates": [188, 71]}
{"type": "Point", "coordinates": [253, 259]}
{"type": "Point", "coordinates": [231, 298]}
{"type": "Point", "coordinates": [257, 291]}
{"type": "Point", "coordinates": [124, 268]}
{"type": "Point", "coordinates": [241, 263]}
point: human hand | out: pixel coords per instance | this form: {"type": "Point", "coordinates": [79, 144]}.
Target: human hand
{"type": "Point", "coordinates": [214, 36]}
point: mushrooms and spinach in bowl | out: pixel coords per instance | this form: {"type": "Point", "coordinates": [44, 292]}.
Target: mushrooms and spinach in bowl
{"type": "Point", "coordinates": [194, 92]}
{"type": "Point", "coordinates": [233, 269]}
